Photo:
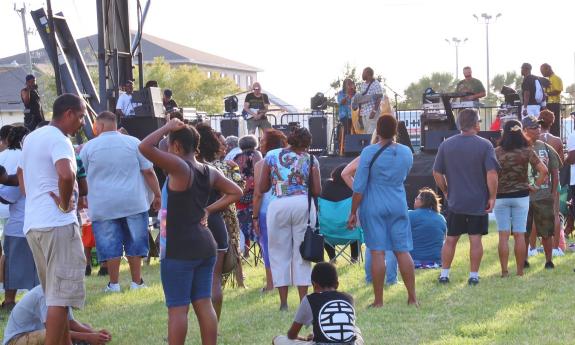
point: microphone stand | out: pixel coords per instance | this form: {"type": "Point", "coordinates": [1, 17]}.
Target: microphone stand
{"type": "Point", "coordinates": [395, 95]}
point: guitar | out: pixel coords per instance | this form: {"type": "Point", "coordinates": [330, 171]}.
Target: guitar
{"type": "Point", "coordinates": [260, 113]}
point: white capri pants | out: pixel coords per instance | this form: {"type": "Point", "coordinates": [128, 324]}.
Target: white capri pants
{"type": "Point", "coordinates": [287, 222]}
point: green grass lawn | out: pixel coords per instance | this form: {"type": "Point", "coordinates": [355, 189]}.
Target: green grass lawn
{"type": "Point", "coordinates": [535, 309]}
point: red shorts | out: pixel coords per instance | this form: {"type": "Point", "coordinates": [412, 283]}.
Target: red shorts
{"type": "Point", "coordinates": [88, 236]}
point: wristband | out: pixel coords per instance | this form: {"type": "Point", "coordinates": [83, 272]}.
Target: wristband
{"type": "Point", "coordinates": [255, 217]}
{"type": "Point", "coordinates": [61, 209]}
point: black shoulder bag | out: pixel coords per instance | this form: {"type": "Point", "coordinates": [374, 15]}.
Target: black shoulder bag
{"type": "Point", "coordinates": [311, 249]}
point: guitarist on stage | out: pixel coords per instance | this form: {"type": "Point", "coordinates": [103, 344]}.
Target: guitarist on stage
{"type": "Point", "coordinates": [255, 108]}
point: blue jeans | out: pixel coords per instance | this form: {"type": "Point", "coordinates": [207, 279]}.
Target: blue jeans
{"type": "Point", "coordinates": [186, 281]}
{"type": "Point", "coordinates": [390, 267]}
{"type": "Point", "coordinates": [511, 214]}
{"type": "Point", "coordinates": [114, 236]}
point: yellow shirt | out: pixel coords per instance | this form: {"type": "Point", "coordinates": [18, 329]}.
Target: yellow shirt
{"type": "Point", "coordinates": [556, 84]}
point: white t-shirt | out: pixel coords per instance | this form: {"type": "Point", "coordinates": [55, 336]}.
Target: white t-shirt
{"type": "Point", "coordinates": [125, 104]}
{"type": "Point", "coordinates": [571, 147]}
{"type": "Point", "coordinates": [42, 149]}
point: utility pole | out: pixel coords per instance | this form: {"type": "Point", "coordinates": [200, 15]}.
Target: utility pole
{"type": "Point", "coordinates": [487, 20]}
{"type": "Point", "coordinates": [456, 42]}
{"type": "Point", "coordinates": [22, 13]}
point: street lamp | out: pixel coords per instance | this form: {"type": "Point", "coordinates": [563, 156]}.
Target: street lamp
{"type": "Point", "coordinates": [456, 42]}
{"type": "Point", "coordinates": [487, 20]}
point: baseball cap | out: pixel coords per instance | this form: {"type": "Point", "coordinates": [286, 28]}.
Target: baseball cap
{"type": "Point", "coordinates": [531, 121]}
{"type": "Point", "coordinates": [30, 77]}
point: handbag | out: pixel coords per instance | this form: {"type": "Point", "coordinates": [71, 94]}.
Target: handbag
{"type": "Point", "coordinates": [311, 249]}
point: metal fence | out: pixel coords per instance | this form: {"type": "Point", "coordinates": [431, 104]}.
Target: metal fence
{"type": "Point", "coordinates": [411, 118]}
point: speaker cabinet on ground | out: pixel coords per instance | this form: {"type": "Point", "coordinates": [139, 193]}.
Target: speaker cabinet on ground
{"type": "Point", "coordinates": [354, 143]}
{"type": "Point", "coordinates": [141, 126]}
{"type": "Point", "coordinates": [318, 128]}
{"type": "Point", "coordinates": [230, 127]}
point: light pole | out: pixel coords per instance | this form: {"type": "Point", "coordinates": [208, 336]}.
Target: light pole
{"type": "Point", "coordinates": [487, 20]}
{"type": "Point", "coordinates": [456, 42]}
{"type": "Point", "coordinates": [22, 13]}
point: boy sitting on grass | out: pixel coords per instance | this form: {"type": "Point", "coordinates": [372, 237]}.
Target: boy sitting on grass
{"type": "Point", "coordinates": [329, 311]}
{"type": "Point", "coordinates": [26, 325]}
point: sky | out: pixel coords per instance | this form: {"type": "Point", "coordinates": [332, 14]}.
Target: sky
{"type": "Point", "coordinates": [302, 46]}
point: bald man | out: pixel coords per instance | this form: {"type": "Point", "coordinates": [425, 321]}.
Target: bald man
{"type": "Point", "coordinates": [255, 108]}
{"type": "Point", "coordinates": [121, 182]}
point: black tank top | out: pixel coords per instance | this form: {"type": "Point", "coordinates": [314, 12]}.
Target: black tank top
{"type": "Point", "coordinates": [186, 238]}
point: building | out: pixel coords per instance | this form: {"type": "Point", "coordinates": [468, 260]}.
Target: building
{"type": "Point", "coordinates": [175, 54]}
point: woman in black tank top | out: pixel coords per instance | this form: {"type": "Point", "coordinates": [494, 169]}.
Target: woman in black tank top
{"type": "Point", "coordinates": [188, 248]}
{"type": "Point", "coordinates": [208, 151]}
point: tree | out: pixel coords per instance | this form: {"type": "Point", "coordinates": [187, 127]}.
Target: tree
{"type": "Point", "coordinates": [191, 85]}
{"type": "Point", "coordinates": [439, 82]}
{"type": "Point", "coordinates": [570, 98]}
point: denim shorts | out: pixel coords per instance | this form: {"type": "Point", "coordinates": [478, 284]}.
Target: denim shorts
{"type": "Point", "coordinates": [511, 214]}
{"type": "Point", "coordinates": [186, 281]}
{"type": "Point", "coordinates": [114, 236]}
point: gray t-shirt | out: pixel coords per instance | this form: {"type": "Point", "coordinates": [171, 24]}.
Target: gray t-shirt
{"type": "Point", "coordinates": [28, 315]}
{"type": "Point", "coordinates": [465, 160]}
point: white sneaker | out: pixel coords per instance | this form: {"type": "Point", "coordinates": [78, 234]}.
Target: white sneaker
{"type": "Point", "coordinates": [558, 252]}
{"type": "Point", "coordinates": [533, 252]}
{"type": "Point", "coordinates": [112, 288]}
{"type": "Point", "coordinates": [134, 286]}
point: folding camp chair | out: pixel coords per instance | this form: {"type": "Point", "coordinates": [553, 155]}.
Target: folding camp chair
{"type": "Point", "coordinates": [333, 226]}
{"type": "Point", "coordinates": [255, 251]}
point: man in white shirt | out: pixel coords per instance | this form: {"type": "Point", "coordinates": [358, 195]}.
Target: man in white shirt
{"type": "Point", "coordinates": [124, 106]}
{"type": "Point", "coordinates": [47, 175]}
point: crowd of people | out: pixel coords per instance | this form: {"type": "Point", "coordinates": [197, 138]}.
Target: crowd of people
{"type": "Point", "coordinates": [221, 196]}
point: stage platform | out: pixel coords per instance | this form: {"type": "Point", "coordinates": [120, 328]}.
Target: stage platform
{"type": "Point", "coordinates": [421, 174]}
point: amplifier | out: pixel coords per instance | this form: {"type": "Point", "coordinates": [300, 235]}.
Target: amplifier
{"type": "Point", "coordinates": [431, 139]}
{"type": "Point", "coordinates": [318, 129]}
{"type": "Point", "coordinates": [354, 143]}
{"type": "Point", "coordinates": [141, 126]}
{"type": "Point", "coordinates": [230, 127]}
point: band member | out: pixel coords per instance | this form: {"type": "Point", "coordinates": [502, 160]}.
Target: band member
{"type": "Point", "coordinates": [470, 85]}
{"type": "Point", "coordinates": [169, 103]}
{"type": "Point", "coordinates": [344, 97]}
{"type": "Point", "coordinates": [33, 113]}
{"type": "Point", "coordinates": [124, 106]}
{"type": "Point", "coordinates": [553, 92]}
{"type": "Point", "coordinates": [255, 108]}
{"type": "Point", "coordinates": [369, 100]}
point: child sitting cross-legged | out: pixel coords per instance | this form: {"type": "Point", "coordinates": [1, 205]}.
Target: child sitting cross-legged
{"type": "Point", "coordinates": [329, 311]}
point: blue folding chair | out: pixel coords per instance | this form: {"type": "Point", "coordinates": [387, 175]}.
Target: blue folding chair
{"type": "Point", "coordinates": [333, 226]}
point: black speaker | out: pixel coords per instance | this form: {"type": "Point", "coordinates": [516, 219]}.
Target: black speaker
{"type": "Point", "coordinates": [492, 136]}
{"type": "Point", "coordinates": [431, 139]}
{"type": "Point", "coordinates": [413, 183]}
{"type": "Point", "coordinates": [318, 129]}
{"type": "Point", "coordinates": [141, 126]}
{"type": "Point", "coordinates": [150, 99]}
{"type": "Point", "coordinates": [230, 127]}
{"type": "Point", "coordinates": [354, 143]}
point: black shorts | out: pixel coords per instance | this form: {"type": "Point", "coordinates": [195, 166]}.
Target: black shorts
{"type": "Point", "coordinates": [459, 224]}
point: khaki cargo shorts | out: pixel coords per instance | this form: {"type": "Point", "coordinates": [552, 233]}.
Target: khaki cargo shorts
{"type": "Point", "coordinates": [59, 256]}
